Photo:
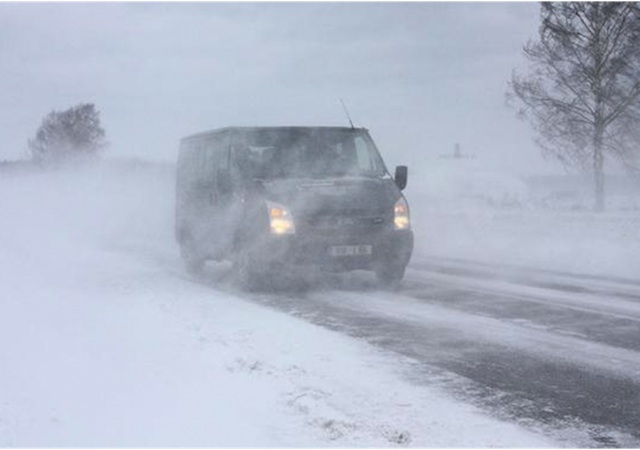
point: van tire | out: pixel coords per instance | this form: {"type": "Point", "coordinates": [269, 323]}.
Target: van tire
{"type": "Point", "coordinates": [248, 274]}
{"type": "Point", "coordinates": [389, 275]}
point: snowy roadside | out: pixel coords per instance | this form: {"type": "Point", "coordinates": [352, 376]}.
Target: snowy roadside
{"type": "Point", "coordinates": [606, 244]}
{"type": "Point", "coordinates": [461, 210]}
{"type": "Point", "coordinates": [104, 342]}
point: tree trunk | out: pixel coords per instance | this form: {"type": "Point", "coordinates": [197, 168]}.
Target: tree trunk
{"type": "Point", "coordinates": [598, 170]}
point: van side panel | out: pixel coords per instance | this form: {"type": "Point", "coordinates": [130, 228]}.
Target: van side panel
{"type": "Point", "coordinates": [198, 199]}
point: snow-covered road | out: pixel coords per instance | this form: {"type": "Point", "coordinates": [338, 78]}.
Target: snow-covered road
{"type": "Point", "coordinates": [541, 354]}
{"type": "Point", "coordinates": [104, 341]}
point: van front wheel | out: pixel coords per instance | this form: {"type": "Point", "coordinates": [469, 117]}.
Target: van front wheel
{"type": "Point", "coordinates": [249, 274]}
{"type": "Point", "coordinates": [389, 275]}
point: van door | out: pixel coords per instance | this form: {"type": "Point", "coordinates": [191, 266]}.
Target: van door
{"type": "Point", "coordinates": [216, 235]}
{"type": "Point", "coordinates": [241, 187]}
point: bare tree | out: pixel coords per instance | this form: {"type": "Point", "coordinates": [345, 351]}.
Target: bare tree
{"type": "Point", "coordinates": [582, 94]}
{"type": "Point", "coordinates": [74, 134]}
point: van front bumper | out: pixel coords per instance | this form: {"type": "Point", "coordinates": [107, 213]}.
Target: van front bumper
{"type": "Point", "coordinates": [337, 251]}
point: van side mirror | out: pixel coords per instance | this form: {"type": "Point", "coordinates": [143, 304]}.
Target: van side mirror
{"type": "Point", "coordinates": [402, 173]}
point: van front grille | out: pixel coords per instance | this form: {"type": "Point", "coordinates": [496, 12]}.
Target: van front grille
{"type": "Point", "coordinates": [337, 221]}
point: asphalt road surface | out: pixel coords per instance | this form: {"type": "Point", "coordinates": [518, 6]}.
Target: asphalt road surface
{"type": "Point", "coordinates": [552, 351]}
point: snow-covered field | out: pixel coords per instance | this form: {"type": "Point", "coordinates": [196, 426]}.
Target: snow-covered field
{"type": "Point", "coordinates": [105, 342]}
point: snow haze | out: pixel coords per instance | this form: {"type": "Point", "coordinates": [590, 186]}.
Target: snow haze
{"type": "Point", "coordinates": [106, 341]}
{"type": "Point", "coordinates": [421, 76]}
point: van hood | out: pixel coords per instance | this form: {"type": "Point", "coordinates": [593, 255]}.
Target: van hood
{"type": "Point", "coordinates": [350, 196]}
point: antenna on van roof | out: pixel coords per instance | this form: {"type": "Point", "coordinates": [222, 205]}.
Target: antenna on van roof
{"type": "Point", "coordinates": [347, 113]}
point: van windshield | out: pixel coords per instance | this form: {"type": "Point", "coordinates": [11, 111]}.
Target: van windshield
{"type": "Point", "coordinates": [306, 153]}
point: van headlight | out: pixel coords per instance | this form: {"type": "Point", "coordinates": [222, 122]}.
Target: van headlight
{"type": "Point", "coordinates": [280, 219]}
{"type": "Point", "coordinates": [401, 215]}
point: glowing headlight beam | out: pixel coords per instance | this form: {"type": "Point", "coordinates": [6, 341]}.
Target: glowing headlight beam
{"type": "Point", "coordinates": [401, 215]}
{"type": "Point", "coordinates": [280, 219]}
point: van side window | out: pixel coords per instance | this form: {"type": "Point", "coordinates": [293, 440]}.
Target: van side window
{"type": "Point", "coordinates": [215, 154]}
{"type": "Point", "coordinates": [184, 162]}
{"type": "Point", "coordinates": [189, 166]}
{"type": "Point", "coordinates": [209, 163]}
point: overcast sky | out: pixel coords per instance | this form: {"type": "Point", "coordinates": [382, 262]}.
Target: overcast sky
{"type": "Point", "coordinates": [420, 76]}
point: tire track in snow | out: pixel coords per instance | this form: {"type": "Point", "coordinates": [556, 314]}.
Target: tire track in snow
{"type": "Point", "coordinates": [604, 317]}
{"type": "Point", "coordinates": [523, 374]}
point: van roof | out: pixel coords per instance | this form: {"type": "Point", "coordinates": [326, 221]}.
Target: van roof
{"type": "Point", "coordinates": [216, 131]}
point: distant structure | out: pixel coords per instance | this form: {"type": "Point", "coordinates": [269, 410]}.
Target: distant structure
{"type": "Point", "coordinates": [457, 154]}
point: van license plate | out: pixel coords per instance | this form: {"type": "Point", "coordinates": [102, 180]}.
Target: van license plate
{"type": "Point", "coordinates": [351, 250]}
